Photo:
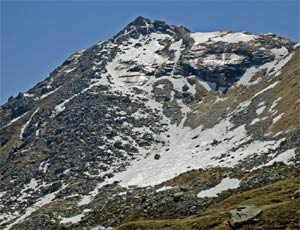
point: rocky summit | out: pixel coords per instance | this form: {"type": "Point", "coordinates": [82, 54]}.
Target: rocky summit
{"type": "Point", "coordinates": [157, 128]}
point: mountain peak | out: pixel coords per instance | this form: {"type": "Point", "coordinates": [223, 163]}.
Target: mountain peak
{"type": "Point", "coordinates": [117, 122]}
{"type": "Point", "coordinates": [143, 26]}
{"type": "Point", "coordinates": [140, 21]}
{"type": "Point", "coordinates": [139, 25]}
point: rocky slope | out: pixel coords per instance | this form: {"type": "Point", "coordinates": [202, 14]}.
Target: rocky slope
{"type": "Point", "coordinates": [155, 123]}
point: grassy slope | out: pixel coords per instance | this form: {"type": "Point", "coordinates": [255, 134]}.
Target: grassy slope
{"type": "Point", "coordinates": [208, 112]}
{"type": "Point", "coordinates": [289, 105]}
{"type": "Point", "coordinates": [280, 211]}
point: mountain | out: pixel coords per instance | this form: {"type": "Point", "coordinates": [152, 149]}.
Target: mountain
{"type": "Point", "coordinates": [156, 128]}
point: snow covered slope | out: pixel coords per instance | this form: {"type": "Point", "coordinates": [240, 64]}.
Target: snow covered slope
{"type": "Point", "coordinates": [140, 109]}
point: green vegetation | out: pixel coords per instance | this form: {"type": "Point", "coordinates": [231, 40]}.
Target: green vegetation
{"type": "Point", "coordinates": [280, 211]}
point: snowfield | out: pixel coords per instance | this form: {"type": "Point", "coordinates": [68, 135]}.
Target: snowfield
{"type": "Point", "coordinates": [192, 149]}
{"type": "Point", "coordinates": [225, 184]}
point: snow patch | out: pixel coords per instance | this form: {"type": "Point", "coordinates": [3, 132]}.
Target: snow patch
{"type": "Point", "coordinates": [282, 57]}
{"type": "Point", "coordinates": [16, 119]}
{"type": "Point", "coordinates": [27, 123]}
{"type": "Point", "coordinates": [73, 219]}
{"type": "Point", "coordinates": [41, 202]}
{"type": "Point", "coordinates": [277, 118]}
{"type": "Point", "coordinates": [44, 166]}
{"type": "Point", "coordinates": [266, 89]}
{"type": "Point", "coordinates": [49, 93]}
{"type": "Point", "coordinates": [28, 95]}
{"type": "Point", "coordinates": [257, 120]}
{"type": "Point", "coordinates": [283, 157]}
{"type": "Point", "coordinates": [69, 70]}
{"type": "Point", "coordinates": [2, 194]}
{"type": "Point", "coordinates": [101, 228]}
{"type": "Point", "coordinates": [297, 45]}
{"type": "Point", "coordinates": [206, 85]}
{"type": "Point", "coordinates": [260, 110]}
{"type": "Point", "coordinates": [247, 76]}
{"type": "Point", "coordinates": [235, 38]}
{"type": "Point", "coordinates": [220, 99]}
{"type": "Point", "coordinates": [226, 183]}
{"type": "Point", "coordinates": [274, 104]}
{"type": "Point", "coordinates": [214, 60]}
{"type": "Point", "coordinates": [204, 37]}
{"type": "Point", "coordinates": [164, 188]}
{"type": "Point", "coordinates": [61, 107]}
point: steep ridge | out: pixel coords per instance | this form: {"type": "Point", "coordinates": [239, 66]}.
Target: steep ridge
{"type": "Point", "coordinates": [115, 122]}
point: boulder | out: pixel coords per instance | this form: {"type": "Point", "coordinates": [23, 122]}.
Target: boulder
{"type": "Point", "coordinates": [156, 156]}
{"type": "Point", "coordinates": [178, 196]}
{"type": "Point", "coordinates": [242, 214]}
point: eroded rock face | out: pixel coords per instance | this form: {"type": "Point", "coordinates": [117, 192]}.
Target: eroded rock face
{"type": "Point", "coordinates": [140, 109]}
{"type": "Point", "coordinates": [222, 64]}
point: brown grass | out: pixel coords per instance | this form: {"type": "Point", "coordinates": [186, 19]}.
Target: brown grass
{"type": "Point", "coordinates": [280, 211]}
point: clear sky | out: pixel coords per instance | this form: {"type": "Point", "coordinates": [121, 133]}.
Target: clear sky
{"type": "Point", "coordinates": [36, 36]}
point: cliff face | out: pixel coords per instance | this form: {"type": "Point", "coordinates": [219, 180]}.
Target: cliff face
{"type": "Point", "coordinates": [112, 130]}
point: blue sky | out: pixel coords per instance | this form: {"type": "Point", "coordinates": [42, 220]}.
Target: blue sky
{"type": "Point", "coordinates": [36, 36]}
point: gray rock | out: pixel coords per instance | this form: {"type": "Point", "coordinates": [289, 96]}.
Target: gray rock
{"type": "Point", "coordinates": [156, 156]}
{"type": "Point", "coordinates": [242, 214]}
{"type": "Point", "coordinates": [177, 196]}
{"type": "Point", "coordinates": [296, 194]}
